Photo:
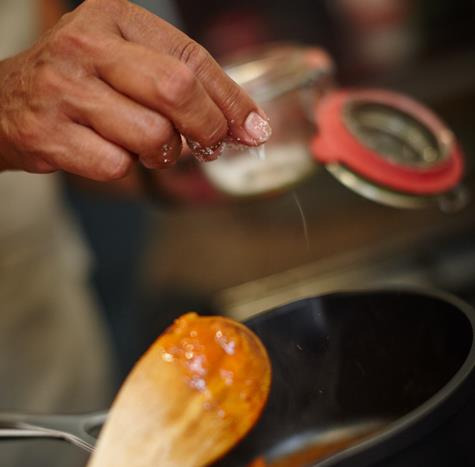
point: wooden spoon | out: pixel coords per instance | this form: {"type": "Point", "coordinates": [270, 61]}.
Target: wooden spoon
{"type": "Point", "coordinates": [195, 393]}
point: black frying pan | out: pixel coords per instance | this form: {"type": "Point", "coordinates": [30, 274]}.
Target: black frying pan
{"type": "Point", "coordinates": [367, 379]}
{"type": "Point", "coordinates": [359, 379]}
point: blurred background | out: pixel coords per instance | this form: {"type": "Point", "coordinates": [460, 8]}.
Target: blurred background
{"type": "Point", "coordinates": [217, 255]}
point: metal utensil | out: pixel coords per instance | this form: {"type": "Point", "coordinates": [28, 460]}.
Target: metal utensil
{"type": "Point", "coordinates": [79, 430]}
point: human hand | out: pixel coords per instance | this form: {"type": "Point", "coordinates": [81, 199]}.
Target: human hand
{"type": "Point", "coordinates": [111, 83]}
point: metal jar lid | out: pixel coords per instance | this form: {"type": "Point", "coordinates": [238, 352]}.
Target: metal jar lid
{"type": "Point", "coordinates": [389, 148]}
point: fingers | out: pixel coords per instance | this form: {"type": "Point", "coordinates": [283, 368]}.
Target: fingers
{"type": "Point", "coordinates": [81, 151]}
{"type": "Point", "coordinates": [247, 122]}
{"type": "Point", "coordinates": [128, 124]}
{"type": "Point", "coordinates": [162, 83]}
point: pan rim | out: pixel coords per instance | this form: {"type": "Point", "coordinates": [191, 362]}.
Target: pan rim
{"type": "Point", "coordinates": [428, 415]}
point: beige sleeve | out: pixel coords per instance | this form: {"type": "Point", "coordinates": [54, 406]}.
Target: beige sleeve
{"type": "Point", "coordinates": [19, 25]}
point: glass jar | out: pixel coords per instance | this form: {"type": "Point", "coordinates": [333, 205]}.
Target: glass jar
{"type": "Point", "coordinates": [287, 82]}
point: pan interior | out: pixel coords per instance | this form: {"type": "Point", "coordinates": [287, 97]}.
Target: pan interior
{"type": "Point", "coordinates": [348, 362]}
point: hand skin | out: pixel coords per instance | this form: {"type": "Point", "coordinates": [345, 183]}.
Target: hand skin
{"type": "Point", "coordinates": [111, 83]}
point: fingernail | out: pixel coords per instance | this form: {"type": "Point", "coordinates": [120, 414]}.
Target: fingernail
{"type": "Point", "coordinates": [257, 127]}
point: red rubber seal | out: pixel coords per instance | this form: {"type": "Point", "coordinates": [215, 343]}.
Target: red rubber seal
{"type": "Point", "coordinates": [335, 143]}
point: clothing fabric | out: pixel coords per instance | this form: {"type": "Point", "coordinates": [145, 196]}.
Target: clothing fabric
{"type": "Point", "coordinates": [54, 354]}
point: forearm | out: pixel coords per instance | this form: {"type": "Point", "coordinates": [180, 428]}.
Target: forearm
{"type": "Point", "coordinates": [48, 13]}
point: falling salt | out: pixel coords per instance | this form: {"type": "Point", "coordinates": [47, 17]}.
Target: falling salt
{"type": "Point", "coordinates": [167, 357]}
{"type": "Point", "coordinates": [208, 153]}
{"type": "Point", "coordinates": [285, 164]}
{"type": "Point", "coordinates": [227, 376]}
{"type": "Point", "coordinates": [227, 346]}
{"type": "Point", "coordinates": [198, 383]}
{"type": "Point", "coordinates": [259, 152]}
{"type": "Point", "coordinates": [165, 149]}
{"type": "Point", "coordinates": [196, 365]}
{"type": "Point", "coordinates": [304, 219]}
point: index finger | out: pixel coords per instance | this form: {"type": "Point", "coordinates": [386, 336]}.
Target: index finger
{"type": "Point", "coordinates": [247, 123]}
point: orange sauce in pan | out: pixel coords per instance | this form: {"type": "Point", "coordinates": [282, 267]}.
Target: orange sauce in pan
{"type": "Point", "coordinates": [314, 452]}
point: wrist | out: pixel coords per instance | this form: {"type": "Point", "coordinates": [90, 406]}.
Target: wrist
{"type": "Point", "coordinates": [10, 83]}
{"type": "Point", "coordinates": [3, 163]}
